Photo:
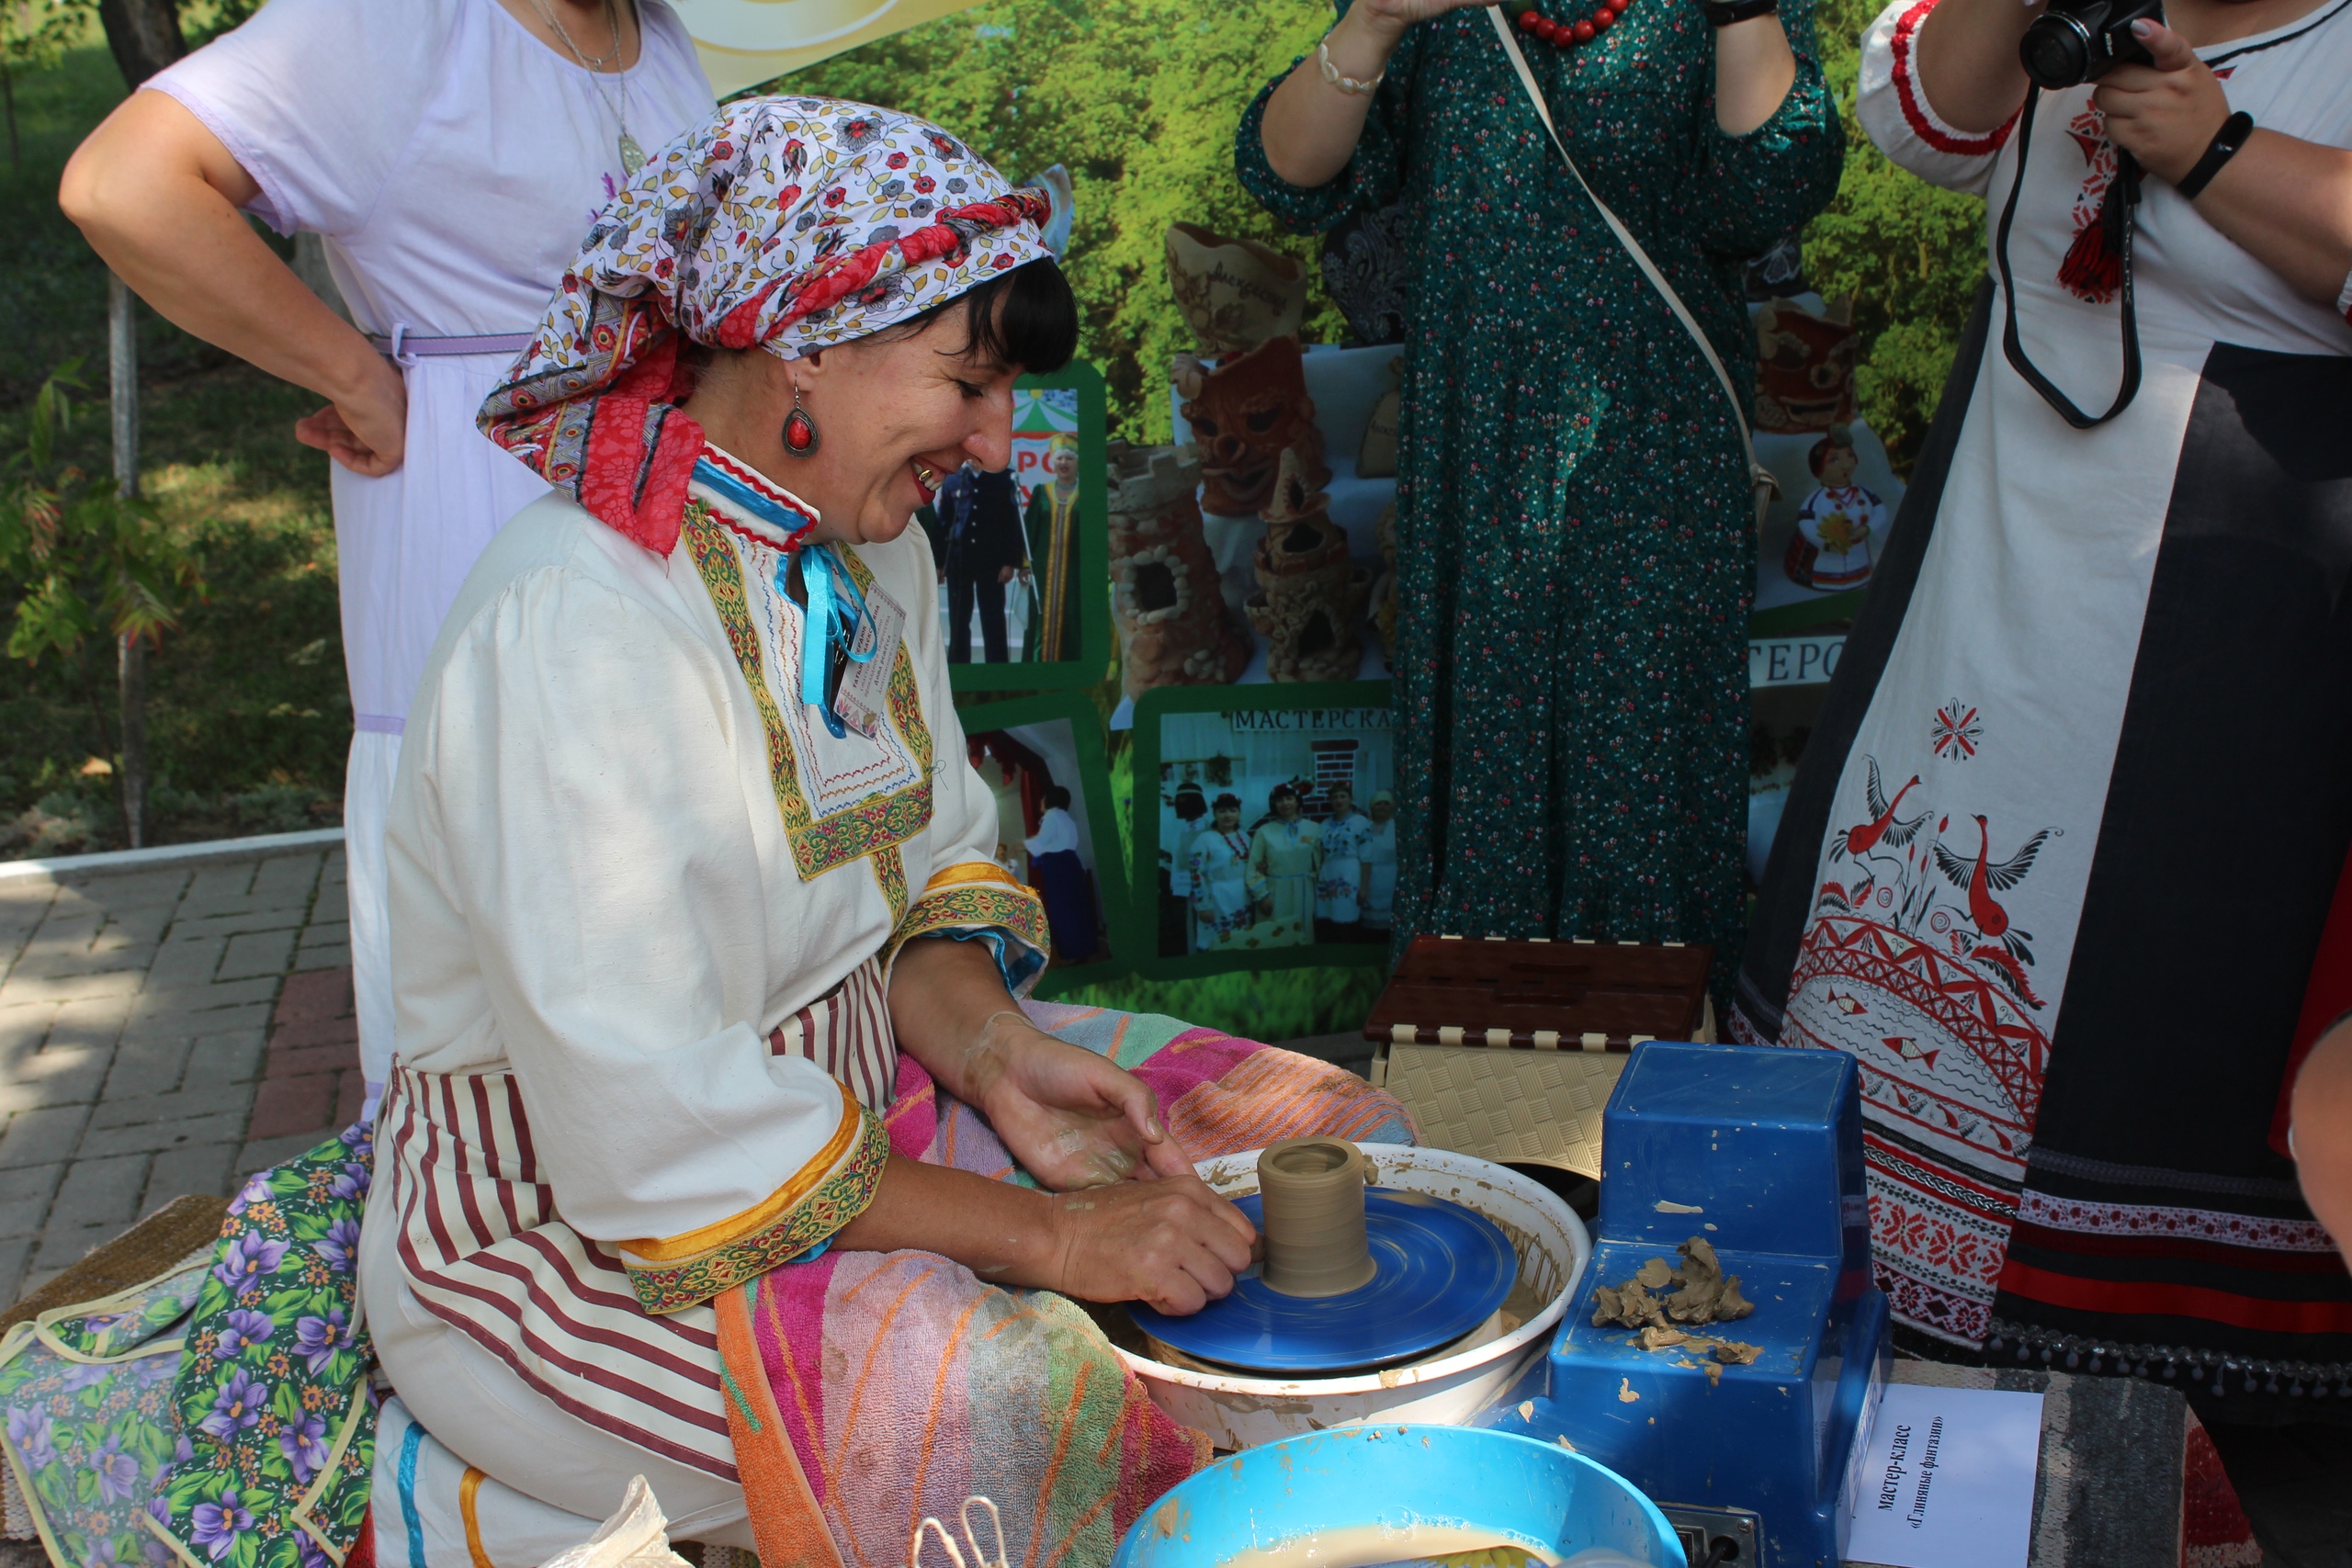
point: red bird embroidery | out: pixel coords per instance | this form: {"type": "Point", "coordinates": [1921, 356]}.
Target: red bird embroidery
{"type": "Point", "coordinates": [1981, 879]}
{"type": "Point", "coordinates": [1882, 827]}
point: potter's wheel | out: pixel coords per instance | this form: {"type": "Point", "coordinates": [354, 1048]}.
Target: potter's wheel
{"type": "Point", "coordinates": [1439, 1271]}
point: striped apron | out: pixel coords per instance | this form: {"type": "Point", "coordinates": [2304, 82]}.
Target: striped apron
{"type": "Point", "coordinates": [485, 1249]}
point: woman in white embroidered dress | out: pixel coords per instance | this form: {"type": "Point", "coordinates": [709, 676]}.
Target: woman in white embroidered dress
{"type": "Point", "coordinates": [449, 154]}
{"type": "Point", "coordinates": [2064, 839]}
{"type": "Point", "coordinates": [1380, 864]}
{"type": "Point", "coordinates": [698, 906]}
{"type": "Point", "coordinates": [1219, 869]}
{"type": "Point", "coordinates": [1339, 880]}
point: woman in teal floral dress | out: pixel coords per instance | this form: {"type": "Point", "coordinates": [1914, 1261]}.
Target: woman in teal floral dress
{"type": "Point", "coordinates": [1574, 536]}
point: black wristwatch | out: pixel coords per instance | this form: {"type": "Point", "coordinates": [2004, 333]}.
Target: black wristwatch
{"type": "Point", "coordinates": [1723, 13]}
{"type": "Point", "coordinates": [2218, 151]}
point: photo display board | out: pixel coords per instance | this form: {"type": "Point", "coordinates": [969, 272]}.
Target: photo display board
{"type": "Point", "coordinates": [1024, 748]}
{"type": "Point", "coordinates": [1013, 555]}
{"type": "Point", "coordinates": [1264, 826]}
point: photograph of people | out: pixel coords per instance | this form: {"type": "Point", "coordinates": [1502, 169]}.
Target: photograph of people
{"type": "Point", "coordinates": [2106, 634]}
{"type": "Point", "coordinates": [1285, 850]}
{"type": "Point", "coordinates": [450, 154]}
{"type": "Point", "coordinates": [1217, 866]}
{"type": "Point", "coordinates": [980, 512]}
{"type": "Point", "coordinates": [1061, 879]}
{"type": "Point", "coordinates": [1575, 529]}
{"type": "Point", "coordinates": [1379, 856]}
{"type": "Point", "coordinates": [675, 961]}
{"type": "Point", "coordinates": [1339, 881]}
{"type": "Point", "coordinates": [1051, 526]}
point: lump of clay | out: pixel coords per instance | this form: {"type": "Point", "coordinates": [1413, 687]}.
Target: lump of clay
{"type": "Point", "coordinates": [1702, 1293]}
{"type": "Point", "coordinates": [1245, 414]}
{"type": "Point", "coordinates": [1311, 599]}
{"type": "Point", "coordinates": [1174, 628]}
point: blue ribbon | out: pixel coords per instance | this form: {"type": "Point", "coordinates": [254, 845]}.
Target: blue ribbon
{"type": "Point", "coordinates": [835, 608]}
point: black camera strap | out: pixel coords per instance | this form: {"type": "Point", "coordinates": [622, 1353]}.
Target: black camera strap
{"type": "Point", "coordinates": [2126, 203]}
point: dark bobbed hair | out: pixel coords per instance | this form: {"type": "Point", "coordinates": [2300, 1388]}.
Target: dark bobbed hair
{"type": "Point", "coordinates": [1056, 795]}
{"type": "Point", "coordinates": [1228, 801]}
{"type": "Point", "coordinates": [1027, 316]}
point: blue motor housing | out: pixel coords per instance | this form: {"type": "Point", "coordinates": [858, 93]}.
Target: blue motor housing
{"type": "Point", "coordinates": [1760, 1151]}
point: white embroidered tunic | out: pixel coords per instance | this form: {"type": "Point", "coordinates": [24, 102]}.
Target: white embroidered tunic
{"type": "Point", "coordinates": [644, 900]}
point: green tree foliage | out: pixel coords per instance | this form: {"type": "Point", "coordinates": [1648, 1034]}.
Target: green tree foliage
{"type": "Point", "coordinates": [34, 36]}
{"type": "Point", "coordinates": [1140, 101]}
{"type": "Point", "coordinates": [1909, 252]}
{"type": "Point", "coordinates": [88, 560]}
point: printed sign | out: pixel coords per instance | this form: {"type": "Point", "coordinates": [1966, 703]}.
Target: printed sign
{"type": "Point", "coordinates": [1793, 660]}
{"type": "Point", "coordinates": [1949, 1480]}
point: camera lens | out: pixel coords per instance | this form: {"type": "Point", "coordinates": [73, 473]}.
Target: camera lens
{"type": "Point", "coordinates": [2057, 51]}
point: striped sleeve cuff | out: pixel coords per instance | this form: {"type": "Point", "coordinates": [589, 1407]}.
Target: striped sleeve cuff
{"type": "Point", "coordinates": [981, 901]}
{"type": "Point", "coordinates": [672, 1273]}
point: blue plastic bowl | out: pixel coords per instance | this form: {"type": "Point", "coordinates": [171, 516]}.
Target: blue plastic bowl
{"type": "Point", "coordinates": [1535, 1494]}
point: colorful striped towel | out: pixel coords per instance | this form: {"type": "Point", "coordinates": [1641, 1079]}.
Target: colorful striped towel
{"type": "Point", "coordinates": [870, 1389]}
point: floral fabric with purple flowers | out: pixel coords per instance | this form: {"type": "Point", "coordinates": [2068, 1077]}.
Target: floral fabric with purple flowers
{"type": "Point", "coordinates": [276, 1420]}
{"type": "Point", "coordinates": [87, 1392]}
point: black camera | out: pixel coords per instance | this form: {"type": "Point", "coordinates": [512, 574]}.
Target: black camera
{"type": "Point", "coordinates": [2080, 40]}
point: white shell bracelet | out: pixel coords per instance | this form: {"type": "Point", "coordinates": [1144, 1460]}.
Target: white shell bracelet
{"type": "Point", "coordinates": [1345, 84]}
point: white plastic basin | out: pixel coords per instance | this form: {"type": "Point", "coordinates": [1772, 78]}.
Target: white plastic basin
{"type": "Point", "coordinates": [1242, 1412]}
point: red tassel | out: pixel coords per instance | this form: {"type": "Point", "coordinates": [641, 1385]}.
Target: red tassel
{"type": "Point", "coordinates": [362, 1550]}
{"type": "Point", "coordinates": [2093, 269]}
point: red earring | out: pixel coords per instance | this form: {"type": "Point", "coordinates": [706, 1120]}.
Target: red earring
{"type": "Point", "coordinates": [799, 430]}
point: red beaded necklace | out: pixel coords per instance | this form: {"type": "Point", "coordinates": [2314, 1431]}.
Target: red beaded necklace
{"type": "Point", "coordinates": [1567, 35]}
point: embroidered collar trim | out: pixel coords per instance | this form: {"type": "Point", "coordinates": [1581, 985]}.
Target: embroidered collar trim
{"type": "Point", "coordinates": [746, 502]}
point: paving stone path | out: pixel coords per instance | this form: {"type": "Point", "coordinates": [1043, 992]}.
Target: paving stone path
{"type": "Point", "coordinates": [164, 1030]}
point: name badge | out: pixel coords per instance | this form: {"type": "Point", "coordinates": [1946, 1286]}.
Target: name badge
{"type": "Point", "coordinates": [866, 687]}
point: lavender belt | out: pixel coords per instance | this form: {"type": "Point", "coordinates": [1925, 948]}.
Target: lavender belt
{"type": "Point", "coordinates": [404, 344]}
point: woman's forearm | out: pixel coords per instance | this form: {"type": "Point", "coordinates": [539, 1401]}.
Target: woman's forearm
{"type": "Point", "coordinates": [1968, 62]}
{"type": "Point", "coordinates": [157, 196]}
{"type": "Point", "coordinates": [943, 997]}
{"type": "Point", "coordinates": [1003, 1233]}
{"type": "Point", "coordinates": [2289, 203]}
{"type": "Point", "coordinates": [2323, 1133]}
{"type": "Point", "coordinates": [1311, 126]}
{"type": "Point", "coordinates": [1754, 71]}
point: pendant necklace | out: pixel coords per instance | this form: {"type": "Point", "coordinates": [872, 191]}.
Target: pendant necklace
{"type": "Point", "coordinates": [632, 156]}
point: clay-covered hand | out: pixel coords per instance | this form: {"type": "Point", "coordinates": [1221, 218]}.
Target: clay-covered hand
{"type": "Point", "coordinates": [366, 429]}
{"type": "Point", "coordinates": [2166, 114]}
{"type": "Point", "coordinates": [1072, 1119]}
{"type": "Point", "coordinates": [1172, 1245]}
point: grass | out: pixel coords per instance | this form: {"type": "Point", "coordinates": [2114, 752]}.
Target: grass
{"type": "Point", "coordinates": [248, 717]}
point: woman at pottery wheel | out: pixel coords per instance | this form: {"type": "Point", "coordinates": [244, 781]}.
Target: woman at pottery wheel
{"type": "Point", "coordinates": [1574, 534]}
{"type": "Point", "coordinates": [714, 1148]}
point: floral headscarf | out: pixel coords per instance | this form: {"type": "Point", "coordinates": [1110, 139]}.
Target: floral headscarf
{"type": "Point", "coordinates": [793, 223]}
